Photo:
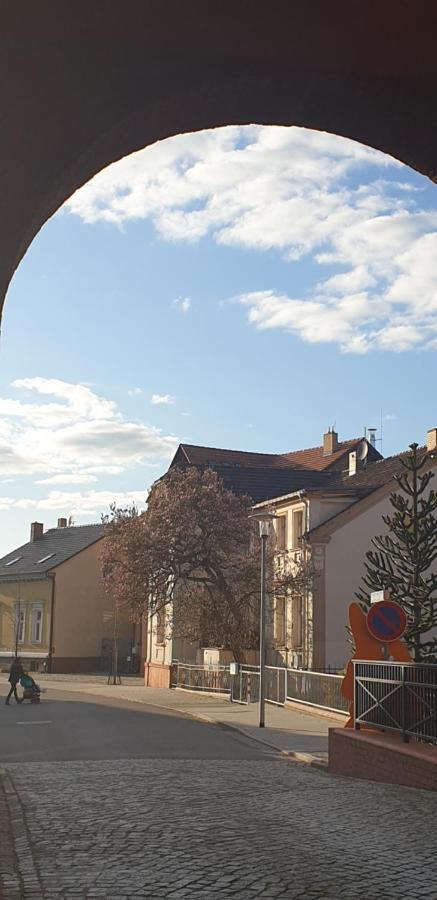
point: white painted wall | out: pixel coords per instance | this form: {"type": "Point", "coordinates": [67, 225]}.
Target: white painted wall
{"type": "Point", "coordinates": [344, 569]}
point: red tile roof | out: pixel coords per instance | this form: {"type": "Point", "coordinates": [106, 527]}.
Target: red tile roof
{"type": "Point", "coordinates": [312, 458]}
{"type": "Point", "coordinates": [202, 456]}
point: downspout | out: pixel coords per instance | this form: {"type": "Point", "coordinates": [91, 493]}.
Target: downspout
{"type": "Point", "coordinates": [52, 613]}
{"type": "Point", "coordinates": [308, 662]}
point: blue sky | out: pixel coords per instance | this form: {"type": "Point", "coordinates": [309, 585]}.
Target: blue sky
{"type": "Point", "coordinates": [240, 288]}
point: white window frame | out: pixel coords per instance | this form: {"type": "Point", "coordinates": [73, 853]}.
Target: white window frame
{"type": "Point", "coordinates": [20, 622]}
{"type": "Point", "coordinates": [37, 608]}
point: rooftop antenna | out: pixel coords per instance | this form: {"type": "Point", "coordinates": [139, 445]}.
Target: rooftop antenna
{"type": "Point", "coordinates": [381, 432]}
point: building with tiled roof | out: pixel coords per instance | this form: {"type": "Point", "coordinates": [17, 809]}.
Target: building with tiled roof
{"type": "Point", "coordinates": [263, 476]}
{"type": "Point", "coordinates": [47, 550]}
{"type": "Point", "coordinates": [339, 520]}
{"type": "Point", "coordinates": [328, 499]}
{"type": "Point", "coordinates": [53, 610]}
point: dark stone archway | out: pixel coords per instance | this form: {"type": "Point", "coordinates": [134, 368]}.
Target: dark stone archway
{"type": "Point", "coordinates": [86, 82]}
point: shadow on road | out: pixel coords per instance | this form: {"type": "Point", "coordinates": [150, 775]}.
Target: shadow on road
{"type": "Point", "coordinates": [80, 728]}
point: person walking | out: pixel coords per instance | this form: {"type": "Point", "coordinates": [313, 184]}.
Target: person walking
{"type": "Point", "coordinates": [15, 673]}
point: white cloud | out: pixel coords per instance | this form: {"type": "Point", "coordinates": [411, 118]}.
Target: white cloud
{"type": "Point", "coordinates": [182, 303]}
{"type": "Point", "coordinates": [135, 392]}
{"type": "Point", "coordinates": [305, 194]}
{"type": "Point", "coordinates": [85, 435]}
{"type": "Point", "coordinates": [77, 503]}
{"type": "Point", "coordinates": [162, 399]}
{"type": "Point", "coordinates": [68, 478]}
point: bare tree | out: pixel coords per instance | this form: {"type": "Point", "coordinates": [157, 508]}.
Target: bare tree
{"type": "Point", "coordinates": [196, 553]}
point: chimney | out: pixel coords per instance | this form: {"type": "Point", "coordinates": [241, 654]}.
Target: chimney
{"type": "Point", "coordinates": [62, 523]}
{"type": "Point", "coordinates": [431, 440]}
{"type": "Point", "coordinates": [330, 442]}
{"type": "Point", "coordinates": [353, 462]}
{"type": "Point", "coordinates": [36, 531]}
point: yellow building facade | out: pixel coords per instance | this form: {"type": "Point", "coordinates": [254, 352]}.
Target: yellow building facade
{"type": "Point", "coordinates": [54, 611]}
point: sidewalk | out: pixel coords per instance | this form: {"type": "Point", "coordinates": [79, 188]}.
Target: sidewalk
{"type": "Point", "coordinates": [300, 734]}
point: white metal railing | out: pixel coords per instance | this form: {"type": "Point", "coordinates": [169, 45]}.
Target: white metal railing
{"type": "Point", "coordinates": [317, 689]}
{"type": "Point", "coordinates": [211, 679]}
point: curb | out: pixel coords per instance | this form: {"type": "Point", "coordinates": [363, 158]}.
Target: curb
{"type": "Point", "coordinates": [24, 881]}
{"type": "Point", "coordinates": [292, 755]}
{"type": "Point", "coordinates": [295, 755]}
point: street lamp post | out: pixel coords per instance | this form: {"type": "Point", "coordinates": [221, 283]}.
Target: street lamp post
{"type": "Point", "coordinates": [265, 520]}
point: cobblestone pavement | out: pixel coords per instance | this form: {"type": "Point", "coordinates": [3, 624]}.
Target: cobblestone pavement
{"type": "Point", "coordinates": [200, 829]}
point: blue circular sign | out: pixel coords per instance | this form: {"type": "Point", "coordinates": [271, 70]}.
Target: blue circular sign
{"type": "Point", "coordinates": [386, 621]}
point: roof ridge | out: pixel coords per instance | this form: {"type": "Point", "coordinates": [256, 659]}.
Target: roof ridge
{"type": "Point", "coordinates": [68, 527]}
{"type": "Point", "coordinates": [385, 459]}
{"type": "Point", "coordinates": [230, 450]}
{"type": "Point", "coordinates": [266, 452]}
{"type": "Point", "coordinates": [320, 446]}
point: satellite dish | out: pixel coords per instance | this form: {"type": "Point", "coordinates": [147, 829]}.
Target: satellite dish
{"type": "Point", "coordinates": [362, 451]}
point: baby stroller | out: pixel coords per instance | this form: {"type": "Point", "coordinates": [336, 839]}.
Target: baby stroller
{"type": "Point", "coordinates": [31, 690]}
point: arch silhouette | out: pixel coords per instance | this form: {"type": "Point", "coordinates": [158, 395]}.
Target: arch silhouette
{"type": "Point", "coordinates": [86, 83]}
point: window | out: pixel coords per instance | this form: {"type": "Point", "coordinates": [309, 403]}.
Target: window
{"type": "Point", "coordinates": [297, 528]}
{"type": "Point", "coordinates": [160, 627]}
{"type": "Point", "coordinates": [12, 561]}
{"type": "Point", "coordinates": [20, 622]}
{"type": "Point", "coordinates": [281, 533]}
{"type": "Point", "coordinates": [279, 622]}
{"type": "Point", "coordinates": [297, 621]}
{"type": "Point", "coordinates": [45, 558]}
{"type": "Point", "coordinates": [37, 613]}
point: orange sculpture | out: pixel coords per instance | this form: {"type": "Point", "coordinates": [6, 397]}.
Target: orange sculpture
{"type": "Point", "coordinates": [367, 647]}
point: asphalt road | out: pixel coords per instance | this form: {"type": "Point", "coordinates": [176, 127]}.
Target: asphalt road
{"type": "Point", "coordinates": [78, 727]}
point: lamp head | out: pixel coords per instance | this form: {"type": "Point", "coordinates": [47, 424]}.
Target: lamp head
{"type": "Point", "coordinates": [265, 520]}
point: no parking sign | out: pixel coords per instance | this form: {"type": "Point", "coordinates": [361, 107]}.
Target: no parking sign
{"type": "Point", "coordinates": [386, 621]}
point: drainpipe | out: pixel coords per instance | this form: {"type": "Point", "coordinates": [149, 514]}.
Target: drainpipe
{"type": "Point", "coordinates": [306, 605]}
{"type": "Point", "coordinates": [52, 612]}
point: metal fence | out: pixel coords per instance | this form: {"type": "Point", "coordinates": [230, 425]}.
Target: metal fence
{"type": "Point", "coordinates": [245, 685]}
{"type": "Point", "coordinates": [312, 688]}
{"type": "Point", "coordinates": [397, 697]}
{"type": "Point", "coordinates": [316, 689]}
{"type": "Point", "coordinates": [276, 685]}
{"type": "Point", "coordinates": [212, 680]}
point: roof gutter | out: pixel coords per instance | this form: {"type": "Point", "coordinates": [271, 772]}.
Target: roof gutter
{"type": "Point", "coordinates": [295, 494]}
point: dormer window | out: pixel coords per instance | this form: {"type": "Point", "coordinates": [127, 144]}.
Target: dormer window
{"type": "Point", "coordinates": [12, 561]}
{"type": "Point", "coordinates": [45, 558]}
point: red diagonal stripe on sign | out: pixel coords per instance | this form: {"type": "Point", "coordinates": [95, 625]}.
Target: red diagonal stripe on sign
{"type": "Point", "coordinates": [390, 625]}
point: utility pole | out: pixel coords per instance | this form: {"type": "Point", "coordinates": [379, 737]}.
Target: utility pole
{"type": "Point", "coordinates": [262, 633]}
{"type": "Point", "coordinates": [265, 520]}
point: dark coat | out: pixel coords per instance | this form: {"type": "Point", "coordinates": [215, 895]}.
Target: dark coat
{"type": "Point", "coordinates": [15, 672]}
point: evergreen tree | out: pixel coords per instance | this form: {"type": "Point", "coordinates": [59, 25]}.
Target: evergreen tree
{"type": "Point", "coordinates": [404, 560]}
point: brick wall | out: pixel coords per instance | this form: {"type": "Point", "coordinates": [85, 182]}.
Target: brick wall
{"type": "Point", "coordinates": [382, 757]}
